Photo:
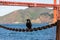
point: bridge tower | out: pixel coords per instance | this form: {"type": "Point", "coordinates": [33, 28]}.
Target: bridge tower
{"type": "Point", "coordinates": [55, 12]}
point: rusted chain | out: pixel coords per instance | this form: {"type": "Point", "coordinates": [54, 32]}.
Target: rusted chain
{"type": "Point", "coordinates": [29, 30]}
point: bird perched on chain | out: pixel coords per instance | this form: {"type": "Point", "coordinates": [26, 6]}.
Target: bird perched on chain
{"type": "Point", "coordinates": [28, 24]}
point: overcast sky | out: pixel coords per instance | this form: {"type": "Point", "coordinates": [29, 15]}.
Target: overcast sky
{"type": "Point", "coordinates": [7, 9]}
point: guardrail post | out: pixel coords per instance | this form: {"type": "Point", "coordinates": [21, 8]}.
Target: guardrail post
{"type": "Point", "coordinates": [58, 30]}
{"type": "Point", "coordinates": [58, 24]}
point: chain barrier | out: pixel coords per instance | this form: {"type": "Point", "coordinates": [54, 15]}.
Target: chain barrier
{"type": "Point", "coordinates": [29, 30]}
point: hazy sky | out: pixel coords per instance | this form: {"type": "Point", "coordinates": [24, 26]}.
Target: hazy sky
{"type": "Point", "coordinates": [7, 9]}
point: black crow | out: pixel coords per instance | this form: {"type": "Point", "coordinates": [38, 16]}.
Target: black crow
{"type": "Point", "coordinates": [28, 24]}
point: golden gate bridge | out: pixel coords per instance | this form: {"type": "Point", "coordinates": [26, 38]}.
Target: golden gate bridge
{"type": "Point", "coordinates": [55, 6]}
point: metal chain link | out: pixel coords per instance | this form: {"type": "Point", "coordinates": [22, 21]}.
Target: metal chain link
{"type": "Point", "coordinates": [29, 30]}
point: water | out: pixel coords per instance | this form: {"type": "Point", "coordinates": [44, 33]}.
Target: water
{"type": "Point", "coordinates": [47, 34]}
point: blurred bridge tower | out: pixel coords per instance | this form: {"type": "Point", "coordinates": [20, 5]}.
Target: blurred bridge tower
{"type": "Point", "coordinates": [55, 12]}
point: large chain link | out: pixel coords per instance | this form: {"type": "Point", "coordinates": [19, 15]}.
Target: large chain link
{"type": "Point", "coordinates": [29, 30]}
